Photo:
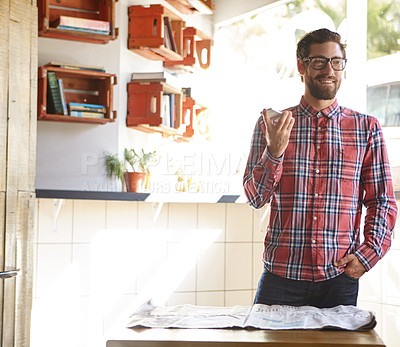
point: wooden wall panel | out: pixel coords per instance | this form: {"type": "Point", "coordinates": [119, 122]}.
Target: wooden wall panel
{"type": "Point", "coordinates": [24, 280]}
{"type": "Point", "coordinates": [18, 81]}
{"type": "Point", "coordinates": [4, 39]}
{"type": "Point", "coordinates": [2, 227]}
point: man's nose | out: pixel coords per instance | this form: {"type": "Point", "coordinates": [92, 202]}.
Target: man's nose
{"type": "Point", "coordinates": [328, 68]}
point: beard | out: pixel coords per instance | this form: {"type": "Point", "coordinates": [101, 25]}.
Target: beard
{"type": "Point", "coordinates": [322, 92]}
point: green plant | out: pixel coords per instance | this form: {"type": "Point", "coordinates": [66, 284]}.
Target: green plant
{"type": "Point", "coordinates": [132, 162]}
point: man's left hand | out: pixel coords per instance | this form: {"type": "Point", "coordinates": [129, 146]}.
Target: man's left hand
{"type": "Point", "coordinates": [354, 267]}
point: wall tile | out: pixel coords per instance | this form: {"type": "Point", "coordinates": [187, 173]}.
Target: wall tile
{"type": "Point", "coordinates": [89, 219]}
{"type": "Point", "coordinates": [396, 233]}
{"type": "Point", "coordinates": [116, 315]}
{"type": "Point", "coordinates": [212, 216]}
{"type": "Point", "coordinates": [152, 216]}
{"type": "Point", "coordinates": [84, 322]}
{"type": "Point", "coordinates": [186, 277]}
{"type": "Point", "coordinates": [153, 263]}
{"type": "Point", "coordinates": [211, 299]}
{"type": "Point", "coordinates": [55, 317]}
{"type": "Point", "coordinates": [391, 278]}
{"type": "Point", "coordinates": [182, 216]}
{"type": "Point", "coordinates": [239, 266]}
{"type": "Point", "coordinates": [122, 214]}
{"type": "Point", "coordinates": [50, 229]}
{"type": "Point", "coordinates": [261, 218]}
{"type": "Point", "coordinates": [54, 260]}
{"type": "Point", "coordinates": [238, 297]}
{"type": "Point", "coordinates": [182, 299]}
{"type": "Point", "coordinates": [391, 325]}
{"type": "Point", "coordinates": [211, 268]}
{"type": "Point", "coordinates": [122, 258]}
{"type": "Point", "coordinates": [81, 256]}
{"type": "Point", "coordinates": [239, 223]}
{"type": "Point", "coordinates": [258, 264]}
{"type": "Point", "coordinates": [370, 285]}
{"type": "Point", "coordinates": [36, 221]}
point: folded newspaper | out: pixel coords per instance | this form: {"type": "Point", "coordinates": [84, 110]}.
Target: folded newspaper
{"type": "Point", "coordinates": [274, 317]}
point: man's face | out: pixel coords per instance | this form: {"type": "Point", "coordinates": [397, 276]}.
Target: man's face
{"type": "Point", "coordinates": [323, 84]}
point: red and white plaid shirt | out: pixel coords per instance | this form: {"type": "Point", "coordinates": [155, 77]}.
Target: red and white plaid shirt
{"type": "Point", "coordinates": [336, 161]}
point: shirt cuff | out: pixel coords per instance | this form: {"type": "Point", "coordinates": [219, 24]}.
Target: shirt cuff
{"type": "Point", "coordinates": [267, 159]}
{"type": "Point", "coordinates": [367, 256]}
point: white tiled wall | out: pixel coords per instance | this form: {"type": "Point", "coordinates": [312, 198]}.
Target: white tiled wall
{"type": "Point", "coordinates": [96, 260]}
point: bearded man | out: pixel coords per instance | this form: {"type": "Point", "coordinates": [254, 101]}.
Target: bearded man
{"type": "Point", "coordinates": [318, 166]}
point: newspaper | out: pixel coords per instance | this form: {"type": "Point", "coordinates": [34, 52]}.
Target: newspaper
{"type": "Point", "coordinates": [274, 317]}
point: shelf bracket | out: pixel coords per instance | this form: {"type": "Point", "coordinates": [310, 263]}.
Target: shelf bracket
{"type": "Point", "coordinates": [57, 204]}
{"type": "Point", "coordinates": [157, 207]}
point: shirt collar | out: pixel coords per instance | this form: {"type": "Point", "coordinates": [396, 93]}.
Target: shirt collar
{"type": "Point", "coordinates": [331, 111]}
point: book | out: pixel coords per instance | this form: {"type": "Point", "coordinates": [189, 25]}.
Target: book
{"type": "Point", "coordinates": [172, 110]}
{"type": "Point", "coordinates": [187, 91]}
{"type": "Point", "coordinates": [100, 26]}
{"type": "Point", "coordinates": [167, 38]}
{"type": "Point", "coordinates": [148, 76]}
{"type": "Point", "coordinates": [170, 34]}
{"type": "Point", "coordinates": [54, 103]}
{"type": "Point", "coordinates": [84, 114]}
{"type": "Point", "coordinates": [165, 111]}
{"type": "Point", "coordinates": [85, 30]}
{"type": "Point", "coordinates": [62, 94]}
{"type": "Point", "coordinates": [76, 66]}
{"type": "Point", "coordinates": [74, 106]}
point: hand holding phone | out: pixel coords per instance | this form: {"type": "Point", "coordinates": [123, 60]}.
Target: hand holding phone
{"type": "Point", "coordinates": [277, 130]}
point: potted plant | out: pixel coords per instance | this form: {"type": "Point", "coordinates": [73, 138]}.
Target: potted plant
{"type": "Point", "coordinates": [133, 169]}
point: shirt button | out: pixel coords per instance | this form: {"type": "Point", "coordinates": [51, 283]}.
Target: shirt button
{"type": "Point", "coordinates": [318, 147]}
{"type": "Point", "coordinates": [313, 241]}
{"type": "Point", "coordinates": [315, 218]}
{"type": "Point", "coordinates": [317, 171]}
{"type": "Point", "coordinates": [316, 195]}
{"type": "Point", "coordinates": [319, 128]}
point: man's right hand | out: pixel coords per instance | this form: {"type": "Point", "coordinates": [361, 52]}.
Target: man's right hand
{"type": "Point", "coordinates": [277, 135]}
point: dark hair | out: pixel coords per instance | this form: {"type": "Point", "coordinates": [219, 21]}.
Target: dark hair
{"type": "Point", "coordinates": [318, 36]}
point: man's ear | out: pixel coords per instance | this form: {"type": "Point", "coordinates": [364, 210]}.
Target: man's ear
{"type": "Point", "coordinates": [300, 69]}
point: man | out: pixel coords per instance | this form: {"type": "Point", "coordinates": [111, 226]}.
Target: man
{"type": "Point", "coordinates": [317, 165]}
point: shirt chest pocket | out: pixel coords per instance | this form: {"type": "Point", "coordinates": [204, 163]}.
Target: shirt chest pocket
{"type": "Point", "coordinates": [343, 163]}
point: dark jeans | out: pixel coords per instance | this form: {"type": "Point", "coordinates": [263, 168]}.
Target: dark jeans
{"type": "Point", "coordinates": [276, 290]}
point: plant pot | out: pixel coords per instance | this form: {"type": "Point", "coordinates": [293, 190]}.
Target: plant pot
{"type": "Point", "coordinates": [135, 181]}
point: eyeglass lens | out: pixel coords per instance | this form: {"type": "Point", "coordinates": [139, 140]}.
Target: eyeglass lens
{"type": "Point", "coordinates": [318, 63]}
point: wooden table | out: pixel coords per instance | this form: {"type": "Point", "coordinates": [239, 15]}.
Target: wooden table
{"type": "Point", "coordinates": [241, 338]}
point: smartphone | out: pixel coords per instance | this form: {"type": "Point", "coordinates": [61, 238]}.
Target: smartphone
{"type": "Point", "coordinates": [273, 114]}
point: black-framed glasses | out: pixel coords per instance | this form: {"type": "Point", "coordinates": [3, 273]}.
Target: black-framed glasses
{"type": "Point", "coordinates": [319, 63]}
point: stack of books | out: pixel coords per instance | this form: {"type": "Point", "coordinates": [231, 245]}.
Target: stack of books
{"type": "Point", "coordinates": [86, 110]}
{"type": "Point", "coordinates": [77, 66]}
{"type": "Point", "coordinates": [92, 26]}
{"type": "Point", "coordinates": [55, 95]}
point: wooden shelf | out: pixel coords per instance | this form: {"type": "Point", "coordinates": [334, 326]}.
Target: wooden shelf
{"type": "Point", "coordinates": [50, 10]}
{"type": "Point", "coordinates": [147, 33]}
{"type": "Point", "coordinates": [69, 119]}
{"type": "Point", "coordinates": [194, 42]}
{"type": "Point", "coordinates": [81, 86]}
{"type": "Point", "coordinates": [145, 98]}
{"type": "Point", "coordinates": [191, 6]}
